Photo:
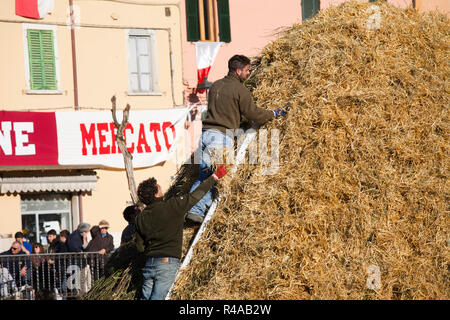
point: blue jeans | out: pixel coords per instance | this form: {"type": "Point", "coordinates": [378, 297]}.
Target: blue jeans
{"type": "Point", "coordinates": [210, 139]}
{"type": "Point", "coordinates": [159, 274]}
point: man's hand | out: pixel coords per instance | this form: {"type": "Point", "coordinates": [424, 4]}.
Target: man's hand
{"type": "Point", "coordinates": [85, 238]}
{"type": "Point", "coordinates": [24, 249]}
{"type": "Point", "coordinates": [220, 172]}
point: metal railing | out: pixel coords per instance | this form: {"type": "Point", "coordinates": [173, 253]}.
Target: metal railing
{"type": "Point", "coordinates": [49, 276]}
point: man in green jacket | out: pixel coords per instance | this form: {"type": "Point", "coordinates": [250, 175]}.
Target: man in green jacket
{"type": "Point", "coordinates": [229, 101]}
{"type": "Point", "coordinates": [159, 233]}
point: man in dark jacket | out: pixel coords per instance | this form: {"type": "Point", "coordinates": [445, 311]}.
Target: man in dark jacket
{"type": "Point", "coordinates": [77, 241]}
{"type": "Point", "coordinates": [62, 244]}
{"type": "Point", "coordinates": [101, 240]}
{"type": "Point", "coordinates": [130, 213]}
{"type": "Point", "coordinates": [53, 241]}
{"type": "Point", "coordinates": [229, 101]}
{"type": "Point", "coordinates": [159, 233]}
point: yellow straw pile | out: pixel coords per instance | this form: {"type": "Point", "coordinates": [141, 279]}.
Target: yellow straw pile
{"type": "Point", "coordinates": [364, 161]}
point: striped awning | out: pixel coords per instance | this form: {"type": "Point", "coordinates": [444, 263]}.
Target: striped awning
{"type": "Point", "coordinates": [59, 183]}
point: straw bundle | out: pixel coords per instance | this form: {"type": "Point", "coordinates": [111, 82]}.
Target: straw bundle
{"type": "Point", "coordinates": [358, 208]}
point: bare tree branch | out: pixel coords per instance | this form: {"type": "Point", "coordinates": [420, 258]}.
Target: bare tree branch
{"type": "Point", "coordinates": [127, 156]}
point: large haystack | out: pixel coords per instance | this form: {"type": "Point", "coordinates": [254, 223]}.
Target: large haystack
{"type": "Point", "coordinates": [364, 164]}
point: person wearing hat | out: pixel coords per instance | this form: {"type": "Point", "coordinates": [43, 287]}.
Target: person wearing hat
{"type": "Point", "coordinates": [77, 240]}
{"type": "Point", "coordinates": [102, 242]}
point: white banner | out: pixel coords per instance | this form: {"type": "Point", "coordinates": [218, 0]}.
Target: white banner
{"type": "Point", "coordinates": [88, 138]}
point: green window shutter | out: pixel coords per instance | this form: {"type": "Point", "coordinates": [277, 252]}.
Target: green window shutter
{"type": "Point", "coordinates": [223, 9]}
{"type": "Point", "coordinates": [310, 8]}
{"type": "Point", "coordinates": [34, 54]}
{"type": "Point", "coordinates": [192, 24]}
{"type": "Point", "coordinates": [41, 53]}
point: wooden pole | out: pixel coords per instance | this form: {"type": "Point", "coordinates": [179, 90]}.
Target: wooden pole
{"type": "Point", "coordinates": [211, 25]}
{"type": "Point", "coordinates": [201, 18]}
{"type": "Point", "coordinates": [215, 21]}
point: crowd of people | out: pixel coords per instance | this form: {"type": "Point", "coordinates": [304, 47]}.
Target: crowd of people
{"type": "Point", "coordinates": [77, 241]}
{"type": "Point", "coordinates": [45, 273]}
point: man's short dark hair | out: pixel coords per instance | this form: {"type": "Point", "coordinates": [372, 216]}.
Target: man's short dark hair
{"type": "Point", "coordinates": [237, 62]}
{"type": "Point", "coordinates": [64, 233]}
{"type": "Point", "coordinates": [147, 190]}
{"type": "Point", "coordinates": [131, 212]}
{"type": "Point", "coordinates": [18, 235]}
{"type": "Point", "coordinates": [51, 231]}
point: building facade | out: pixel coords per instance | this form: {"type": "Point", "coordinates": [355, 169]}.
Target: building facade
{"type": "Point", "coordinates": [70, 62]}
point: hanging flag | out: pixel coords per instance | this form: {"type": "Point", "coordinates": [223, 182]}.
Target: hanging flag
{"type": "Point", "coordinates": [36, 9]}
{"type": "Point", "coordinates": [206, 53]}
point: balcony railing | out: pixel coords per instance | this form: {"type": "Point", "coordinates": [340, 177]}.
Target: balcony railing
{"type": "Point", "coordinates": [49, 276]}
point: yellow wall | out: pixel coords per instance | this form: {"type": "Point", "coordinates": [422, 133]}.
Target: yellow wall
{"type": "Point", "coordinates": [442, 6]}
{"type": "Point", "coordinates": [102, 69]}
{"type": "Point", "coordinates": [101, 52]}
{"type": "Point", "coordinates": [10, 220]}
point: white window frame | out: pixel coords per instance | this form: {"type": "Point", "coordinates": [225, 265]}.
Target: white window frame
{"type": "Point", "coordinates": [25, 27]}
{"type": "Point", "coordinates": [37, 213]}
{"type": "Point", "coordinates": [153, 65]}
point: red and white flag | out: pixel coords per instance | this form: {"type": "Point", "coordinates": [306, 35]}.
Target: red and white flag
{"type": "Point", "coordinates": [36, 9]}
{"type": "Point", "coordinates": [206, 53]}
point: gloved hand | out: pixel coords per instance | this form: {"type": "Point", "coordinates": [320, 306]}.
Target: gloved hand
{"type": "Point", "coordinates": [220, 171]}
{"type": "Point", "coordinates": [281, 111]}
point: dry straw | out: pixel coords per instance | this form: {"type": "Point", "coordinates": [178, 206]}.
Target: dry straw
{"type": "Point", "coordinates": [359, 208]}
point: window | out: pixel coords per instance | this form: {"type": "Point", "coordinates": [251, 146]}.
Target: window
{"type": "Point", "coordinates": [142, 66]}
{"type": "Point", "coordinates": [310, 8]}
{"type": "Point", "coordinates": [203, 17]}
{"type": "Point", "coordinates": [41, 59]}
{"type": "Point", "coordinates": [43, 212]}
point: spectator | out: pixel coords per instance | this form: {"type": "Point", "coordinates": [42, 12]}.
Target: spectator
{"type": "Point", "coordinates": [42, 273]}
{"type": "Point", "coordinates": [37, 248]}
{"type": "Point", "coordinates": [62, 244]}
{"type": "Point", "coordinates": [17, 267]}
{"type": "Point", "coordinates": [102, 242]}
{"type": "Point", "coordinates": [77, 240]}
{"type": "Point", "coordinates": [26, 246]}
{"type": "Point", "coordinates": [53, 241]}
{"type": "Point", "coordinates": [62, 262]}
{"type": "Point", "coordinates": [130, 213]}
